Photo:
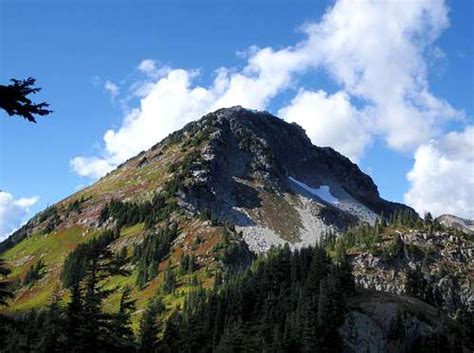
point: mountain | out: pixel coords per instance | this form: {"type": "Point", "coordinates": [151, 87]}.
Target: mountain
{"type": "Point", "coordinates": [201, 205]}
{"type": "Point", "coordinates": [249, 168]}
{"type": "Point", "coordinates": [464, 225]}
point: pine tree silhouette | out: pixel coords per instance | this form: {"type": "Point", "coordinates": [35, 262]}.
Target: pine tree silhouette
{"type": "Point", "coordinates": [14, 100]}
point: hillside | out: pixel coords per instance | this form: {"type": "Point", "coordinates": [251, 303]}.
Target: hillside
{"type": "Point", "coordinates": [198, 207]}
{"type": "Point", "coordinates": [242, 168]}
{"type": "Point", "coordinates": [239, 165]}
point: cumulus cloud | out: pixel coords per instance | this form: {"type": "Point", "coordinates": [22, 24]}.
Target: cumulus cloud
{"type": "Point", "coordinates": [92, 167]}
{"type": "Point", "coordinates": [329, 120]}
{"type": "Point", "coordinates": [442, 178]}
{"type": "Point", "coordinates": [171, 103]}
{"type": "Point", "coordinates": [174, 100]}
{"type": "Point", "coordinates": [375, 51]}
{"type": "Point", "coordinates": [13, 212]}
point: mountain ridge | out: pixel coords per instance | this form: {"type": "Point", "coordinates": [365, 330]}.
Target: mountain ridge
{"type": "Point", "coordinates": [242, 152]}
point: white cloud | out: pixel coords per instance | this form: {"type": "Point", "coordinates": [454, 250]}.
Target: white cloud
{"type": "Point", "coordinates": [173, 100]}
{"type": "Point", "coordinates": [171, 103]}
{"type": "Point", "coordinates": [111, 88]}
{"type": "Point", "coordinates": [329, 120]}
{"type": "Point", "coordinates": [92, 167]}
{"type": "Point", "coordinates": [442, 178]}
{"type": "Point", "coordinates": [374, 50]}
{"type": "Point", "coordinates": [152, 69]}
{"type": "Point", "coordinates": [147, 66]}
{"type": "Point", "coordinates": [13, 212]}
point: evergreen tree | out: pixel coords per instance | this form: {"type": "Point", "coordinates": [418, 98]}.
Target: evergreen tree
{"type": "Point", "coordinates": [149, 328]}
{"type": "Point", "coordinates": [417, 286]}
{"type": "Point", "coordinates": [14, 99]}
{"type": "Point", "coordinates": [275, 306]}
{"type": "Point", "coordinates": [169, 282]}
{"type": "Point", "coordinates": [74, 321]}
{"type": "Point", "coordinates": [53, 333]}
{"type": "Point", "coordinates": [96, 324]}
{"type": "Point", "coordinates": [121, 326]}
{"type": "Point", "coordinates": [5, 292]}
{"type": "Point", "coordinates": [34, 273]}
{"type": "Point", "coordinates": [172, 334]}
{"type": "Point", "coordinates": [89, 328]}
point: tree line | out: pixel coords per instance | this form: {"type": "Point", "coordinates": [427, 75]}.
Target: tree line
{"type": "Point", "coordinates": [286, 302]}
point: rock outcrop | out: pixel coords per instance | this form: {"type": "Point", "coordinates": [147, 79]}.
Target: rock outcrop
{"type": "Point", "coordinates": [464, 225]}
{"type": "Point", "coordinates": [444, 259]}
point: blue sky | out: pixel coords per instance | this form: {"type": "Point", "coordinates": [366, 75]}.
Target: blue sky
{"type": "Point", "coordinates": [74, 48]}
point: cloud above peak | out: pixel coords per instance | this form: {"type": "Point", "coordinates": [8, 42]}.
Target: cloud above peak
{"type": "Point", "coordinates": [376, 53]}
{"type": "Point", "coordinates": [332, 121]}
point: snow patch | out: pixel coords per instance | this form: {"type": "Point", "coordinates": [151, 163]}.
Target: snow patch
{"type": "Point", "coordinates": [322, 192]}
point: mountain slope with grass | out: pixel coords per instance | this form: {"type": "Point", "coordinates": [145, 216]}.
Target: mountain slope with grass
{"type": "Point", "coordinates": [234, 176]}
{"type": "Point", "coordinates": [197, 210]}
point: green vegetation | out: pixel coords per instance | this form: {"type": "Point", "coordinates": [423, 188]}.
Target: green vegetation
{"type": "Point", "coordinates": [200, 296]}
{"type": "Point", "coordinates": [51, 248]}
{"type": "Point", "coordinates": [169, 283]}
{"type": "Point", "coordinates": [147, 339]}
{"type": "Point", "coordinates": [187, 264]}
{"type": "Point", "coordinates": [80, 326]}
{"type": "Point", "coordinates": [51, 215]}
{"type": "Point", "coordinates": [293, 301]}
{"type": "Point", "coordinates": [5, 291]}
{"type": "Point", "coordinates": [418, 287]}
{"type": "Point", "coordinates": [76, 206]}
{"type": "Point", "coordinates": [152, 251]}
{"type": "Point", "coordinates": [363, 238]}
{"type": "Point", "coordinates": [287, 302]}
{"type": "Point", "coordinates": [373, 239]}
{"type": "Point", "coordinates": [49, 212]}
{"type": "Point", "coordinates": [130, 213]}
{"type": "Point", "coordinates": [181, 171]}
{"type": "Point", "coordinates": [76, 263]}
{"type": "Point", "coordinates": [34, 273]}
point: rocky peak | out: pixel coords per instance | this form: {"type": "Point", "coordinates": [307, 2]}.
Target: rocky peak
{"type": "Point", "coordinates": [251, 165]}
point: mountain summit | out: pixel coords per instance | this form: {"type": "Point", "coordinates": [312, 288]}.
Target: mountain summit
{"type": "Point", "coordinates": [264, 175]}
{"type": "Point", "coordinates": [246, 167]}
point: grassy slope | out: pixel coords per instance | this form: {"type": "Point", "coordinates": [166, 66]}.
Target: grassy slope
{"type": "Point", "coordinates": [138, 179]}
{"type": "Point", "coordinates": [52, 249]}
{"type": "Point", "coordinates": [134, 180]}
